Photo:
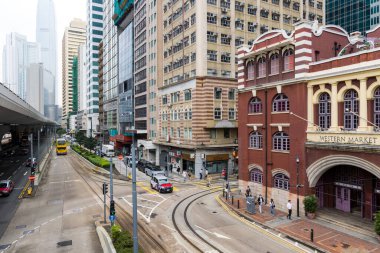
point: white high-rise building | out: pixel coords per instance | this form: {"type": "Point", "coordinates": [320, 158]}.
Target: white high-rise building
{"type": "Point", "coordinates": [35, 86]}
{"type": "Point", "coordinates": [74, 36]}
{"type": "Point", "coordinates": [94, 36]}
{"type": "Point", "coordinates": [18, 53]}
{"type": "Point", "coordinates": [82, 80]}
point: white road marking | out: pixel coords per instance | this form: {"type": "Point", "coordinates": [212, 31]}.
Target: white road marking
{"type": "Point", "coordinates": [14, 241]}
{"type": "Point", "coordinates": [213, 233]}
{"type": "Point", "coordinates": [9, 177]}
{"type": "Point", "coordinates": [43, 224]}
{"type": "Point", "coordinates": [36, 228]}
{"type": "Point", "coordinates": [172, 229]}
{"type": "Point", "coordinates": [149, 200]}
{"type": "Point", "coordinates": [67, 181]}
{"type": "Point", "coordinates": [25, 173]}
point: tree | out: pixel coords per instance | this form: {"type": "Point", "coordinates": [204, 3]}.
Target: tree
{"type": "Point", "coordinates": [80, 137]}
{"type": "Point", "coordinates": [61, 131]}
{"type": "Point", "coordinates": [90, 143]}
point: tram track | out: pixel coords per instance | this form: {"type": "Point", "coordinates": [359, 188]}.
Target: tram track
{"type": "Point", "coordinates": [146, 240]}
{"type": "Point", "coordinates": [177, 228]}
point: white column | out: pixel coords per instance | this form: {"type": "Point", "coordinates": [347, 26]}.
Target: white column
{"type": "Point", "coordinates": [310, 109]}
{"type": "Point", "coordinates": [334, 107]}
{"type": "Point", "coordinates": [363, 126]}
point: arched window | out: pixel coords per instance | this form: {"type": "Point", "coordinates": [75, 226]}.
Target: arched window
{"type": "Point", "coordinates": [281, 142]}
{"type": "Point", "coordinates": [251, 70]}
{"type": "Point", "coordinates": [324, 111]}
{"type": "Point", "coordinates": [255, 105]}
{"type": "Point", "coordinates": [255, 140]}
{"type": "Point", "coordinates": [256, 176]}
{"type": "Point", "coordinates": [289, 60]}
{"type": "Point", "coordinates": [262, 67]}
{"type": "Point", "coordinates": [351, 109]}
{"type": "Point", "coordinates": [280, 103]}
{"type": "Point", "coordinates": [281, 182]}
{"type": "Point", "coordinates": [274, 64]}
{"type": "Point", "coordinates": [376, 107]}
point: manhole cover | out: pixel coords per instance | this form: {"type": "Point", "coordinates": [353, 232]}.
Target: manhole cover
{"type": "Point", "coordinates": [28, 232]}
{"type": "Point", "coordinates": [153, 215]}
{"type": "Point", "coordinates": [4, 246]}
{"type": "Point", "coordinates": [20, 226]}
{"type": "Point", "coordinates": [64, 243]}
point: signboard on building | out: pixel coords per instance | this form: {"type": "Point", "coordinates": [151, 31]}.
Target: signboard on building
{"type": "Point", "coordinates": [344, 138]}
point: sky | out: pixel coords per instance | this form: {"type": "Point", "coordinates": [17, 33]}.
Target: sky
{"type": "Point", "coordinates": [20, 16]}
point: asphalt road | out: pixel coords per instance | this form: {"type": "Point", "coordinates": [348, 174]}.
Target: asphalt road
{"type": "Point", "coordinates": [14, 168]}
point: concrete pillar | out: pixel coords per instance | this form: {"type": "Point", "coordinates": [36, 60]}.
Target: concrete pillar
{"type": "Point", "coordinates": [363, 105]}
{"type": "Point", "coordinates": [158, 151]}
{"type": "Point", "coordinates": [310, 108]}
{"type": "Point", "coordinates": [198, 162]}
{"type": "Point", "coordinates": [334, 107]}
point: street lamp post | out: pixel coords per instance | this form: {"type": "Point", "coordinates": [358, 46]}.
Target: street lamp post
{"type": "Point", "coordinates": [298, 187]}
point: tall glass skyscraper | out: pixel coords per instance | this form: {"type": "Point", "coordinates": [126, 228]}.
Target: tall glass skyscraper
{"type": "Point", "coordinates": [352, 15]}
{"type": "Point", "coordinates": [46, 37]}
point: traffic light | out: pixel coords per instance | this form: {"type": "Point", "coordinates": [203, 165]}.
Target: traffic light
{"type": "Point", "coordinates": [33, 170]}
{"type": "Point", "coordinates": [112, 208]}
{"type": "Point", "coordinates": [105, 188]}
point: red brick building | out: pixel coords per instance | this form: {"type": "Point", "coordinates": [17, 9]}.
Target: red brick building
{"type": "Point", "coordinates": [311, 100]}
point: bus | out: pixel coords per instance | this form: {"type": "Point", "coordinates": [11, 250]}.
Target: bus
{"type": "Point", "coordinates": [61, 147]}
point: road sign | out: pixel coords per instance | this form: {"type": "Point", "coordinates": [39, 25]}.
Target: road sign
{"type": "Point", "coordinates": [112, 217]}
{"type": "Point", "coordinates": [120, 157]}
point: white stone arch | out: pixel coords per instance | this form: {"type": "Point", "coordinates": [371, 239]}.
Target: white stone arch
{"type": "Point", "coordinates": [284, 49]}
{"type": "Point", "coordinates": [319, 167]}
{"type": "Point", "coordinates": [274, 52]}
{"type": "Point", "coordinates": [261, 56]}
{"type": "Point", "coordinates": [344, 89]}
{"type": "Point", "coordinates": [371, 89]}
{"type": "Point", "coordinates": [250, 60]}
{"type": "Point", "coordinates": [280, 171]}
{"type": "Point", "coordinates": [255, 166]}
{"type": "Point", "coordinates": [318, 93]}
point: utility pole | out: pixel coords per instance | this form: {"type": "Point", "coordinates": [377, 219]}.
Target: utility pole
{"type": "Point", "coordinates": [38, 144]}
{"type": "Point", "coordinates": [111, 188]}
{"type": "Point", "coordinates": [134, 197]}
{"type": "Point", "coordinates": [298, 186]}
{"type": "Point", "coordinates": [31, 156]}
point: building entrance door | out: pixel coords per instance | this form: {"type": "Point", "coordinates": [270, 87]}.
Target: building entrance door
{"type": "Point", "coordinates": [342, 199]}
{"type": "Point", "coordinates": [319, 194]}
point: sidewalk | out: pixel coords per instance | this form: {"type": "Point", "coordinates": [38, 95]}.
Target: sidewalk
{"type": "Point", "coordinates": [326, 238]}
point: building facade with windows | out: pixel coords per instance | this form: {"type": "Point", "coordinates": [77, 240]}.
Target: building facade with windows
{"type": "Point", "coordinates": [198, 102]}
{"type": "Point", "coordinates": [311, 118]}
{"type": "Point", "coordinates": [352, 15]}
{"type": "Point", "coordinates": [74, 36]}
{"type": "Point", "coordinates": [375, 13]}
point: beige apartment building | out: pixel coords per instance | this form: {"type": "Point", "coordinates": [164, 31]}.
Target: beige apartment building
{"type": "Point", "coordinates": [198, 95]}
{"type": "Point", "coordinates": [74, 36]}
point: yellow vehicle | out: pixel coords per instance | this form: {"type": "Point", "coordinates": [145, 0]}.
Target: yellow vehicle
{"type": "Point", "coordinates": [61, 147]}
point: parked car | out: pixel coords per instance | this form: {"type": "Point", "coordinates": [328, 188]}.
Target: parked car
{"type": "Point", "coordinates": [6, 187]}
{"type": "Point", "coordinates": [29, 162]}
{"type": "Point", "coordinates": [141, 164]}
{"type": "Point", "coordinates": [161, 184]}
{"type": "Point", "coordinates": [151, 170]}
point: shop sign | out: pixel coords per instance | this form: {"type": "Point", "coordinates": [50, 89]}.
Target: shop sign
{"type": "Point", "coordinates": [356, 187]}
{"type": "Point", "coordinates": [344, 139]}
{"type": "Point", "coordinates": [175, 154]}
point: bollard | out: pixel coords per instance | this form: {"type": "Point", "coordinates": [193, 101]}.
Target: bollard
{"type": "Point", "coordinates": [223, 193]}
{"type": "Point", "coordinates": [226, 196]}
{"type": "Point", "coordinates": [232, 199]}
{"type": "Point", "coordinates": [312, 235]}
{"type": "Point", "coordinates": [238, 204]}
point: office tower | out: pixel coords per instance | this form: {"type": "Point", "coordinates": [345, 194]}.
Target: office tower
{"type": "Point", "coordinates": [35, 86]}
{"type": "Point", "coordinates": [198, 95]}
{"type": "Point", "coordinates": [352, 15]}
{"type": "Point", "coordinates": [46, 37]}
{"type": "Point", "coordinates": [94, 36]}
{"type": "Point", "coordinates": [74, 36]}
{"type": "Point", "coordinates": [101, 87]}
{"type": "Point", "coordinates": [110, 72]}
{"type": "Point", "coordinates": [374, 13]}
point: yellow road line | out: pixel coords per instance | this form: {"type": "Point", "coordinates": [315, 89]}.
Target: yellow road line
{"type": "Point", "coordinates": [23, 190]}
{"type": "Point", "coordinates": [139, 184]}
{"type": "Point", "coordinates": [258, 228]}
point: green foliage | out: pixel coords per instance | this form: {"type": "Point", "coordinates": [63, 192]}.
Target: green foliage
{"type": "Point", "coordinates": [310, 202]}
{"type": "Point", "coordinates": [122, 240]}
{"type": "Point", "coordinates": [94, 159]}
{"type": "Point", "coordinates": [377, 223]}
{"type": "Point", "coordinates": [80, 137]}
{"type": "Point", "coordinates": [90, 143]}
{"type": "Point", "coordinates": [61, 131]}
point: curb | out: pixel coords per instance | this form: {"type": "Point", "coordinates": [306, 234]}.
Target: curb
{"type": "Point", "coordinates": [98, 170]}
{"type": "Point", "coordinates": [104, 238]}
{"type": "Point", "coordinates": [242, 215]}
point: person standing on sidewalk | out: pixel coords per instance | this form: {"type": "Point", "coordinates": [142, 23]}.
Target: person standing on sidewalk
{"type": "Point", "coordinates": [184, 174]}
{"type": "Point", "coordinates": [248, 192]}
{"type": "Point", "coordinates": [178, 170]}
{"type": "Point", "coordinates": [200, 174]}
{"type": "Point", "coordinates": [289, 206]}
{"type": "Point", "coordinates": [272, 206]}
{"type": "Point", "coordinates": [206, 173]}
{"type": "Point", "coordinates": [260, 201]}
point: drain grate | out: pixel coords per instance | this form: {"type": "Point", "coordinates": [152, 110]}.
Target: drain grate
{"type": "Point", "coordinates": [4, 246]}
{"type": "Point", "coordinates": [20, 226]}
{"type": "Point", "coordinates": [214, 212]}
{"type": "Point", "coordinates": [26, 232]}
{"type": "Point", "coordinates": [64, 243]}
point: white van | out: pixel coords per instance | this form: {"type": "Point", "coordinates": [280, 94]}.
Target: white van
{"type": "Point", "coordinates": [108, 150]}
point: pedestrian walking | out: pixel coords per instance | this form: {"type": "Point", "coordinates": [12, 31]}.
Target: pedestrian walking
{"type": "Point", "coordinates": [189, 175]}
{"type": "Point", "coordinates": [272, 206]}
{"type": "Point", "coordinates": [209, 181]}
{"type": "Point", "coordinates": [289, 206]}
{"type": "Point", "coordinates": [178, 170]}
{"type": "Point", "coordinates": [201, 174]}
{"type": "Point", "coordinates": [260, 201]}
{"type": "Point", "coordinates": [248, 192]}
{"type": "Point", "coordinates": [184, 174]}
{"type": "Point", "coordinates": [206, 173]}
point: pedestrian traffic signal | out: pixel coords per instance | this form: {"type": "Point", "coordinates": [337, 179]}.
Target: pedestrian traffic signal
{"type": "Point", "coordinates": [112, 208]}
{"type": "Point", "coordinates": [105, 188]}
{"type": "Point", "coordinates": [33, 170]}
